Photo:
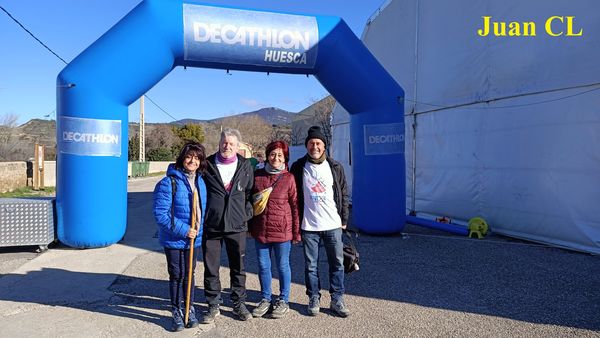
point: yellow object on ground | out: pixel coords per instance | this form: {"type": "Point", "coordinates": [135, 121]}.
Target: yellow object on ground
{"type": "Point", "coordinates": [478, 226]}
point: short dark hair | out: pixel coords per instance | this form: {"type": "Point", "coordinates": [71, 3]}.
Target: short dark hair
{"type": "Point", "coordinates": [278, 145]}
{"type": "Point", "coordinates": [195, 149]}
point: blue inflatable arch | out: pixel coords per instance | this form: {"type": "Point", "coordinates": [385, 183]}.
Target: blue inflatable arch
{"type": "Point", "coordinates": [96, 88]}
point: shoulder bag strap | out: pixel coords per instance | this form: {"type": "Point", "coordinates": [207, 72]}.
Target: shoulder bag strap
{"type": "Point", "coordinates": [276, 180]}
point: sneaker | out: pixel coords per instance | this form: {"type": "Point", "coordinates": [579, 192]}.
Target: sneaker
{"type": "Point", "coordinates": [210, 315]}
{"type": "Point", "coordinates": [192, 320]}
{"type": "Point", "coordinates": [313, 306]}
{"type": "Point", "coordinates": [280, 309]}
{"type": "Point", "coordinates": [262, 308]}
{"type": "Point", "coordinates": [241, 311]}
{"type": "Point", "coordinates": [339, 308]}
{"type": "Point", "coordinates": [177, 320]}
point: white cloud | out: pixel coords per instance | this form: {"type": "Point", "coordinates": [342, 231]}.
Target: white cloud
{"type": "Point", "coordinates": [251, 103]}
{"type": "Point", "coordinates": [288, 101]}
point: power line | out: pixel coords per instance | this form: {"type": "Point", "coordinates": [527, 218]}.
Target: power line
{"type": "Point", "coordinates": [33, 36]}
{"type": "Point", "coordinates": [159, 107]}
{"type": "Point", "coordinates": [65, 62]}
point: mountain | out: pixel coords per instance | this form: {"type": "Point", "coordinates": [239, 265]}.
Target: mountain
{"type": "Point", "coordinates": [37, 130]}
{"type": "Point", "coordinates": [273, 116]}
{"type": "Point", "coordinates": [189, 121]}
{"type": "Point", "coordinates": [44, 131]}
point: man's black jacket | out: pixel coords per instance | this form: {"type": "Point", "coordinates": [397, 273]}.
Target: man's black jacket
{"type": "Point", "coordinates": [228, 211]}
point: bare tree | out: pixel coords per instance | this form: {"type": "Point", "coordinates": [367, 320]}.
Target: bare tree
{"type": "Point", "coordinates": [161, 137]}
{"type": "Point", "coordinates": [323, 110]}
{"type": "Point", "coordinates": [282, 133]}
{"type": "Point", "coordinates": [297, 134]}
{"type": "Point", "coordinates": [255, 131]}
{"type": "Point", "coordinates": [10, 149]}
{"type": "Point", "coordinates": [212, 135]}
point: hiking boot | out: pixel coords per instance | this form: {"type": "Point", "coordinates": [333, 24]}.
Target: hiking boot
{"type": "Point", "coordinates": [280, 309]}
{"type": "Point", "coordinates": [314, 306]}
{"type": "Point", "coordinates": [240, 310]}
{"type": "Point", "coordinates": [210, 315]}
{"type": "Point", "coordinates": [339, 308]}
{"type": "Point", "coordinates": [262, 308]}
{"type": "Point", "coordinates": [177, 320]}
{"type": "Point", "coordinates": [192, 320]}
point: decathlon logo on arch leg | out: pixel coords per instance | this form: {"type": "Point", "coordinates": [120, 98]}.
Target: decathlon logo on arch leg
{"type": "Point", "coordinates": [89, 137]}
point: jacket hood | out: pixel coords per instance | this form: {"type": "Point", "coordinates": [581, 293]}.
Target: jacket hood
{"type": "Point", "coordinates": [173, 171]}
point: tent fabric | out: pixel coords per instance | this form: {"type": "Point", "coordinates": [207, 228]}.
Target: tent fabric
{"type": "Point", "coordinates": [506, 127]}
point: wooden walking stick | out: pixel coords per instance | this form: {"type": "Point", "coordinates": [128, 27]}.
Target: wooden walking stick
{"type": "Point", "coordinates": [191, 260]}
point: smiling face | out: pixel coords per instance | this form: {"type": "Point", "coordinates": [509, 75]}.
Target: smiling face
{"type": "Point", "coordinates": [229, 146]}
{"type": "Point", "coordinates": [315, 148]}
{"type": "Point", "coordinates": [276, 158]}
{"type": "Point", "coordinates": [191, 162]}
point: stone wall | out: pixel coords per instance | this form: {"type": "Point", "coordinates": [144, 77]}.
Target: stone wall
{"type": "Point", "coordinates": [12, 175]}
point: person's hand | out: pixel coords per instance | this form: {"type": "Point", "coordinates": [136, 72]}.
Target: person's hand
{"type": "Point", "coordinates": [344, 226]}
{"type": "Point", "coordinates": [192, 233]}
{"type": "Point", "coordinates": [295, 241]}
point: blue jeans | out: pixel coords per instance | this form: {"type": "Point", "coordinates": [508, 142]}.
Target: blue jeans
{"type": "Point", "coordinates": [282, 259]}
{"type": "Point", "coordinates": [332, 242]}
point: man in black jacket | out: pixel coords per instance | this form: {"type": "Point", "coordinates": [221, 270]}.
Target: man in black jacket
{"type": "Point", "coordinates": [323, 212]}
{"type": "Point", "coordinates": [229, 181]}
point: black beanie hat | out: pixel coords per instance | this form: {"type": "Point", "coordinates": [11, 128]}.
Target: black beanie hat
{"type": "Point", "coordinates": [315, 132]}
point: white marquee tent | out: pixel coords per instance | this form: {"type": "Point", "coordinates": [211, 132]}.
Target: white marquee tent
{"type": "Point", "coordinates": [505, 127]}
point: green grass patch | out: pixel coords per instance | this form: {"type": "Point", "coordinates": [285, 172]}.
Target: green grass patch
{"type": "Point", "coordinates": [29, 192]}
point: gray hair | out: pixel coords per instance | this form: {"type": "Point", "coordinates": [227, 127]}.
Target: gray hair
{"type": "Point", "coordinates": [231, 132]}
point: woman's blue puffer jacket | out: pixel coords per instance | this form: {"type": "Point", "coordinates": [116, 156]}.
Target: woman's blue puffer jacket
{"type": "Point", "coordinates": [174, 237]}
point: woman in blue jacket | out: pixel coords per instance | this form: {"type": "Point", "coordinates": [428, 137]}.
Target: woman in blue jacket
{"type": "Point", "coordinates": [173, 209]}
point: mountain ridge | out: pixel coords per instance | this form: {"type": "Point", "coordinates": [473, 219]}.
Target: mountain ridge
{"type": "Point", "coordinates": [272, 115]}
{"type": "Point", "coordinates": [44, 131]}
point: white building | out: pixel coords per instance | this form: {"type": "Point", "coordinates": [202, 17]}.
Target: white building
{"type": "Point", "coordinates": [502, 127]}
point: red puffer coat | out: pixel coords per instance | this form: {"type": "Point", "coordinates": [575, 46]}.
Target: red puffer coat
{"type": "Point", "coordinates": [279, 222]}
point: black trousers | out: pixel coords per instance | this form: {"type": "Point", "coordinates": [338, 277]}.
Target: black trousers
{"type": "Point", "coordinates": [235, 245]}
{"type": "Point", "coordinates": [178, 265]}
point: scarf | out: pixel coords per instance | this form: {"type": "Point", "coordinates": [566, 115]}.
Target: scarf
{"type": "Point", "coordinates": [318, 160]}
{"type": "Point", "coordinates": [191, 176]}
{"type": "Point", "coordinates": [196, 212]}
{"type": "Point", "coordinates": [224, 160]}
{"type": "Point", "coordinates": [270, 170]}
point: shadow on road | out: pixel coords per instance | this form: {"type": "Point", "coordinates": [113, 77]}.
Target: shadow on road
{"type": "Point", "coordinates": [506, 279]}
{"type": "Point", "coordinates": [530, 283]}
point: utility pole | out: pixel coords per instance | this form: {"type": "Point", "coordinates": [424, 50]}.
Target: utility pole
{"type": "Point", "coordinates": [142, 157]}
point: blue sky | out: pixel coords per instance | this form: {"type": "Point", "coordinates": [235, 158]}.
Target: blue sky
{"type": "Point", "coordinates": [28, 71]}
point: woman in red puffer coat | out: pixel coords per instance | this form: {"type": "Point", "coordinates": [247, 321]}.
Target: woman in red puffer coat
{"type": "Point", "coordinates": [275, 229]}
